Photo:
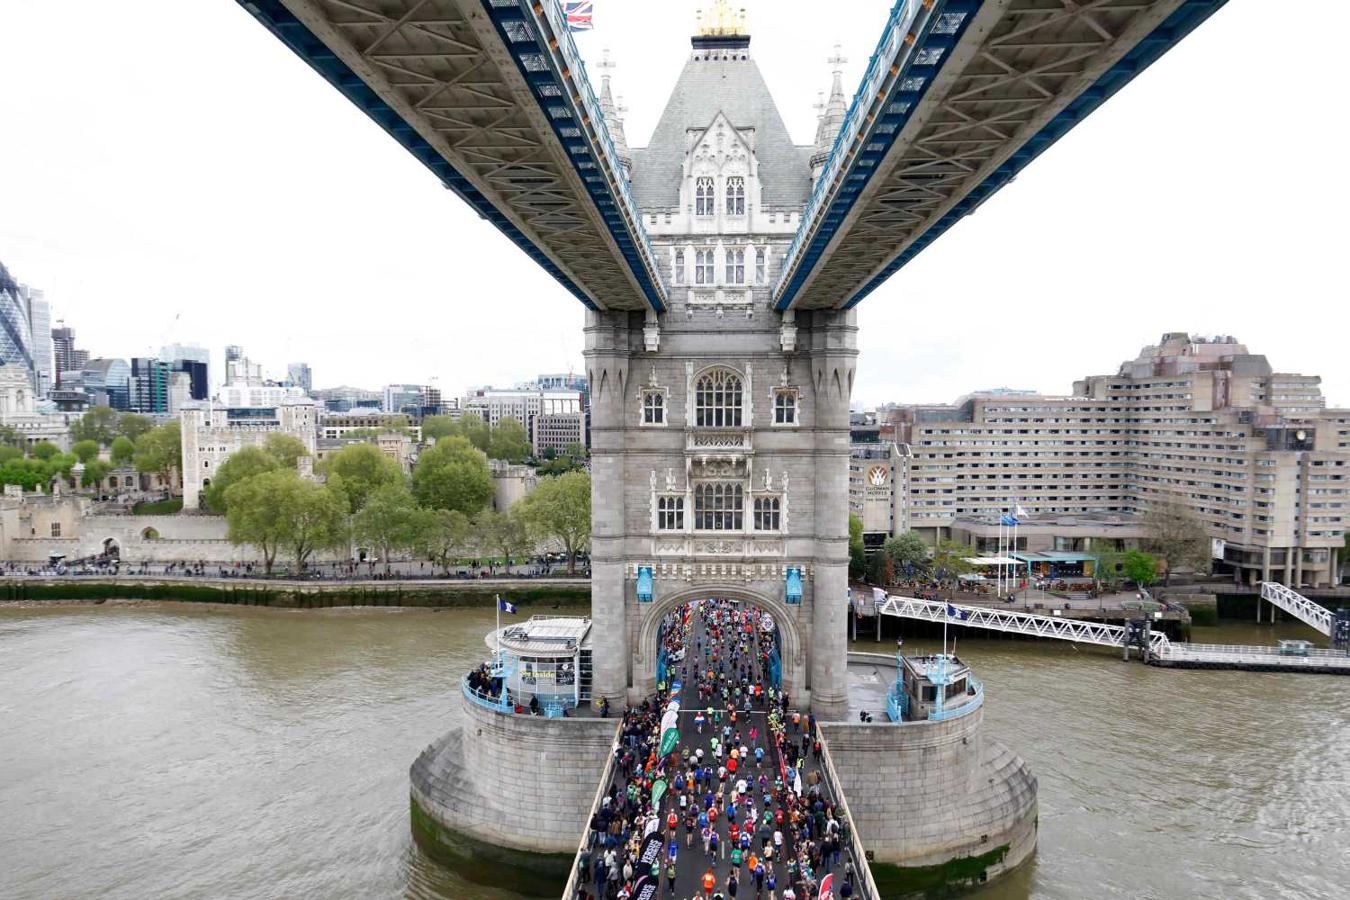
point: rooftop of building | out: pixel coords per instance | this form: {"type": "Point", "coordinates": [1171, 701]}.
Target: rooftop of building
{"type": "Point", "coordinates": [543, 636]}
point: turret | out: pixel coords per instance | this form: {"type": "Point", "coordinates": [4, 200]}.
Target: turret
{"type": "Point", "coordinates": [831, 117]}
{"type": "Point", "coordinates": [613, 116]}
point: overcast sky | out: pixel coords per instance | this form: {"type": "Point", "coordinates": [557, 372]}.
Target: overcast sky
{"type": "Point", "coordinates": [170, 172]}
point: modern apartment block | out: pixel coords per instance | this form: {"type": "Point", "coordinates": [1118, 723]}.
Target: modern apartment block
{"type": "Point", "coordinates": [1253, 452]}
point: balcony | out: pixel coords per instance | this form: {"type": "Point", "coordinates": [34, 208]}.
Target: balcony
{"type": "Point", "coordinates": [724, 442]}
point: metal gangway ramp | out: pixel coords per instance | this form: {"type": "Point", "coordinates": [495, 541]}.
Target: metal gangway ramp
{"type": "Point", "coordinates": [1298, 606]}
{"type": "Point", "coordinates": [1074, 630]}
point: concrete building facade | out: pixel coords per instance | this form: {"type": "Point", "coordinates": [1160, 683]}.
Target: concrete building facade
{"type": "Point", "coordinates": [1201, 421]}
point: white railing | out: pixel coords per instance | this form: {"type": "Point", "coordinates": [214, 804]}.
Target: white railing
{"type": "Point", "coordinates": [606, 777]}
{"type": "Point", "coordinates": [867, 887]}
{"type": "Point", "coordinates": [1015, 622]}
{"type": "Point", "coordinates": [1298, 606]}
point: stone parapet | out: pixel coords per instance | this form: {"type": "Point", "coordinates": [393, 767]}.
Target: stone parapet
{"type": "Point", "coordinates": [517, 782]}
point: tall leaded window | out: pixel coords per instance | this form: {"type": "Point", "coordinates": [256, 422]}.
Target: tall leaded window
{"type": "Point", "coordinates": [761, 275]}
{"type": "Point", "coordinates": [736, 265]}
{"type": "Point", "coordinates": [670, 513]}
{"type": "Point", "coordinates": [717, 400]}
{"type": "Point", "coordinates": [704, 197]}
{"type": "Point", "coordinates": [703, 266]}
{"type": "Point", "coordinates": [653, 408]}
{"type": "Point", "coordinates": [719, 506]}
{"type": "Point", "coordinates": [679, 267]}
{"type": "Point", "coordinates": [767, 513]}
{"type": "Point", "coordinates": [785, 407]}
{"type": "Point", "coordinates": [736, 196]}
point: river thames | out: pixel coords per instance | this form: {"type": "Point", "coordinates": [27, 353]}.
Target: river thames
{"type": "Point", "coordinates": [181, 751]}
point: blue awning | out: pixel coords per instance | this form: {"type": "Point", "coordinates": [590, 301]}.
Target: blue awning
{"type": "Point", "coordinates": [644, 584]}
{"type": "Point", "coordinates": [794, 585]}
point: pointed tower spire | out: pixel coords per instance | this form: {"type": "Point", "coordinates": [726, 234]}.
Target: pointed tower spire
{"type": "Point", "coordinates": [613, 114]}
{"type": "Point", "coordinates": [831, 115]}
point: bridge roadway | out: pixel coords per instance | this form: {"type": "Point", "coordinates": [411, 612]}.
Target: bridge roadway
{"type": "Point", "coordinates": [1161, 650]}
{"type": "Point", "coordinates": [691, 860]}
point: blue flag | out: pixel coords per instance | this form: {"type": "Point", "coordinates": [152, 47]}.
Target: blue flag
{"type": "Point", "coordinates": [1010, 520]}
{"type": "Point", "coordinates": [954, 613]}
{"type": "Point", "coordinates": [506, 607]}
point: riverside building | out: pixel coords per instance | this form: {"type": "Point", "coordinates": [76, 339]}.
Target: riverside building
{"type": "Point", "coordinates": [1254, 453]}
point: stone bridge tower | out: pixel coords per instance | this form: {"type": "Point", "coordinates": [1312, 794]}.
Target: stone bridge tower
{"type": "Point", "coordinates": [720, 427]}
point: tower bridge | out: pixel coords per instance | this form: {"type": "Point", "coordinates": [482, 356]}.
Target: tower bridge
{"type": "Point", "coordinates": [720, 266]}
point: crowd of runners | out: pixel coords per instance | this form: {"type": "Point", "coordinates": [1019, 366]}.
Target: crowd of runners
{"type": "Point", "coordinates": [735, 807]}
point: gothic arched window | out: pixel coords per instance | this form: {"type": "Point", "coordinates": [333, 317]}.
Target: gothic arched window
{"type": "Point", "coordinates": [704, 198]}
{"type": "Point", "coordinates": [736, 265]}
{"type": "Point", "coordinates": [717, 400]}
{"type": "Point", "coordinates": [703, 266]}
{"type": "Point", "coordinates": [719, 506]}
{"type": "Point", "coordinates": [736, 196]}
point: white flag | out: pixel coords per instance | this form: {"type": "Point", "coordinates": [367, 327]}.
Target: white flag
{"type": "Point", "coordinates": [878, 595]}
{"type": "Point", "coordinates": [1020, 512]}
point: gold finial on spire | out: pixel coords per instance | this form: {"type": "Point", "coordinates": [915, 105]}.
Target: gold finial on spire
{"type": "Point", "coordinates": [721, 20]}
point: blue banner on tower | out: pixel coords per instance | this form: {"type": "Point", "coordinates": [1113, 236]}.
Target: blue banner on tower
{"type": "Point", "coordinates": [793, 589]}
{"type": "Point", "coordinates": [644, 584]}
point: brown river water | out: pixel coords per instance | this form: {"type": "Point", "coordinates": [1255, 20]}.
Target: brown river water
{"type": "Point", "coordinates": [172, 750]}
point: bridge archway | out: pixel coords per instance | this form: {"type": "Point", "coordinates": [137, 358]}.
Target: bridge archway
{"type": "Point", "coordinates": [787, 620]}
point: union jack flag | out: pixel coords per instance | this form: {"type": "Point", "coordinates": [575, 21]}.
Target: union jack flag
{"type": "Point", "coordinates": [579, 14]}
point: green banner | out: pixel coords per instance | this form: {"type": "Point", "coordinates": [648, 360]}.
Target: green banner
{"type": "Point", "coordinates": [658, 790]}
{"type": "Point", "coordinates": [669, 739]}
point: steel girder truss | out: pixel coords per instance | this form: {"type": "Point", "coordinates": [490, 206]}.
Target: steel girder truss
{"type": "Point", "coordinates": [1023, 73]}
{"type": "Point", "coordinates": [518, 133]}
{"type": "Point", "coordinates": [1016, 623]}
{"type": "Point", "coordinates": [1298, 606]}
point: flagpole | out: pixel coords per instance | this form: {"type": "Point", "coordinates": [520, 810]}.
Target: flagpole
{"type": "Point", "coordinates": [498, 635]}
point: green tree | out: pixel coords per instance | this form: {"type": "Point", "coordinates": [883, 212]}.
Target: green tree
{"type": "Point", "coordinates": [160, 450]}
{"type": "Point", "coordinates": [508, 441]}
{"type": "Point", "coordinates": [85, 450]}
{"type": "Point", "coordinates": [99, 424]}
{"type": "Point", "coordinates": [1141, 567]}
{"type": "Point", "coordinates": [951, 559]}
{"type": "Point", "coordinates": [317, 519]}
{"type": "Point", "coordinates": [278, 510]}
{"type": "Point", "coordinates": [286, 449]}
{"type": "Point", "coordinates": [857, 554]}
{"type": "Point", "coordinates": [453, 475]}
{"type": "Point", "coordinates": [10, 436]}
{"type": "Point", "coordinates": [242, 464]}
{"type": "Point", "coordinates": [95, 470]}
{"type": "Point", "coordinates": [133, 425]}
{"type": "Point", "coordinates": [31, 474]}
{"type": "Point", "coordinates": [442, 536]}
{"type": "Point", "coordinates": [43, 450]}
{"type": "Point", "coordinates": [253, 516]}
{"type": "Point", "coordinates": [387, 522]}
{"type": "Point", "coordinates": [508, 532]}
{"type": "Point", "coordinates": [360, 470]}
{"type": "Point", "coordinates": [123, 451]}
{"type": "Point", "coordinates": [8, 452]}
{"type": "Point", "coordinates": [561, 508]}
{"type": "Point", "coordinates": [906, 552]}
{"type": "Point", "coordinates": [1174, 534]}
{"type": "Point", "coordinates": [436, 427]}
{"type": "Point", "coordinates": [475, 430]}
